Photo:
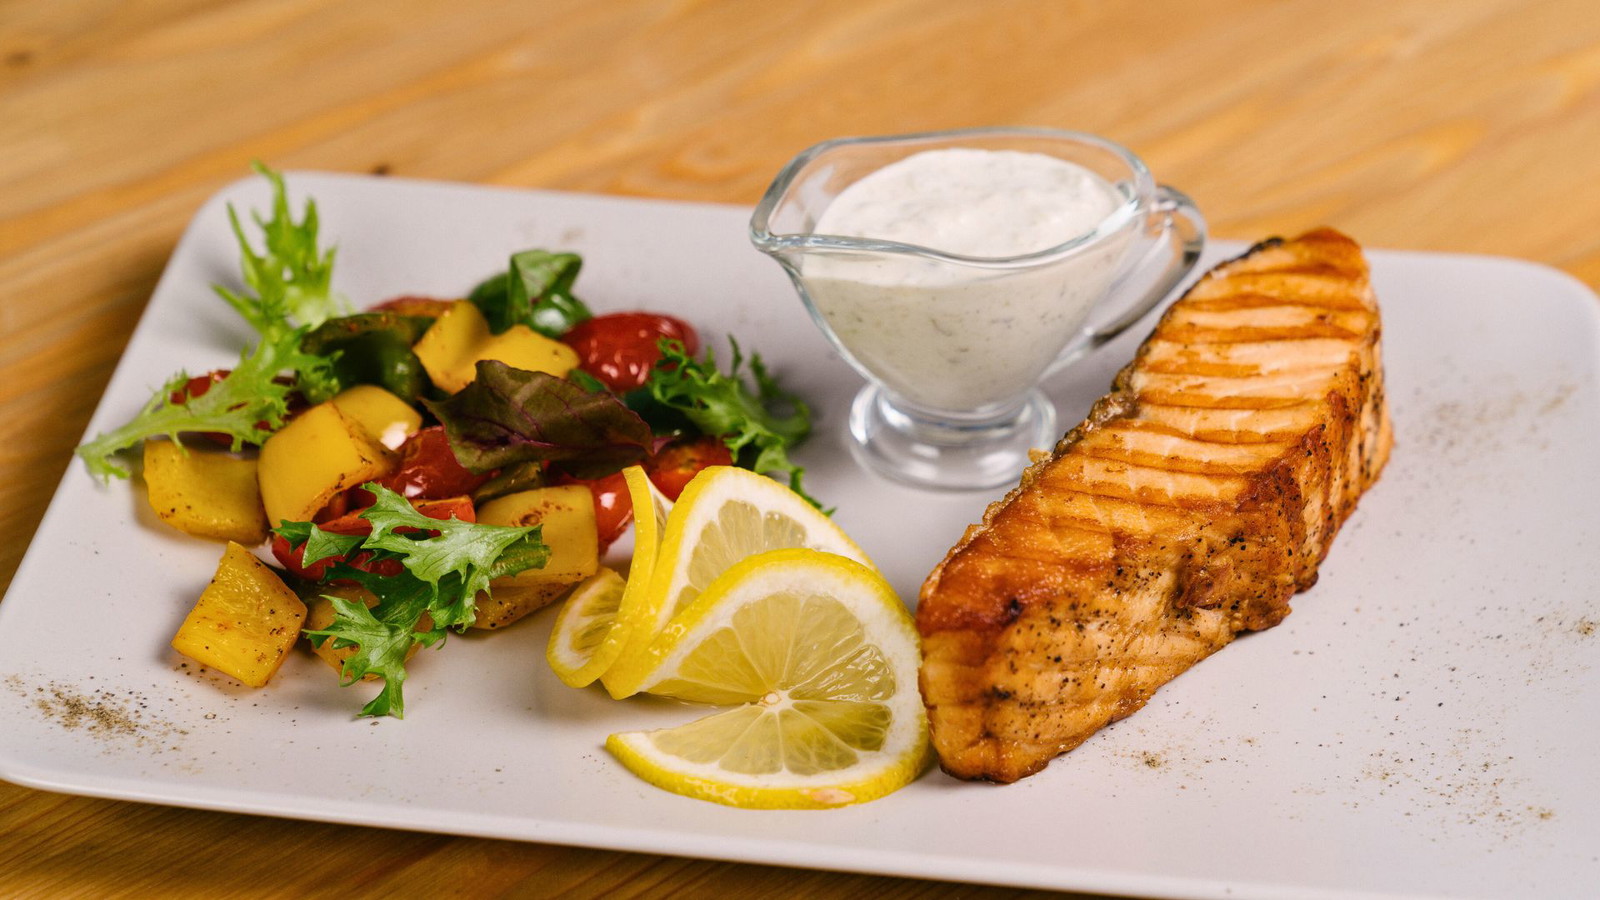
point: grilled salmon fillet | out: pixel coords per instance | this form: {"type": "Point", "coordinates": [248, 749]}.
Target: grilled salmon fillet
{"type": "Point", "coordinates": [1197, 497]}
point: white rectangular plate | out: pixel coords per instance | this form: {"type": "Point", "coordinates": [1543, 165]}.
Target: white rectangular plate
{"type": "Point", "coordinates": [1425, 723]}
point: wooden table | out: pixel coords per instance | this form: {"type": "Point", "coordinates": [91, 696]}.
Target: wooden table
{"type": "Point", "coordinates": [1468, 126]}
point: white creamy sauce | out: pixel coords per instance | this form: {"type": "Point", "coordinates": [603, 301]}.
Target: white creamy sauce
{"type": "Point", "coordinates": [955, 337]}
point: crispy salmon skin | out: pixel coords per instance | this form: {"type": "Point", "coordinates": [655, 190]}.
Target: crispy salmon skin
{"type": "Point", "coordinates": [1198, 496]}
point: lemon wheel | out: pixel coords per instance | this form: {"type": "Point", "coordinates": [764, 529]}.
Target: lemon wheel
{"type": "Point", "coordinates": [725, 515]}
{"type": "Point", "coordinates": [821, 659]}
{"type": "Point", "coordinates": [585, 640]}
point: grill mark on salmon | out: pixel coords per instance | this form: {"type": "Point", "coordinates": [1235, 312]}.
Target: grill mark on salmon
{"type": "Point", "coordinates": [1193, 502]}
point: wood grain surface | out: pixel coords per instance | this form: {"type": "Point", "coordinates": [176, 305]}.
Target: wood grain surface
{"type": "Point", "coordinates": [1463, 125]}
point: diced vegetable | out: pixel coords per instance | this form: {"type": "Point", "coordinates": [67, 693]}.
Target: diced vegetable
{"type": "Point", "coordinates": [387, 418]}
{"type": "Point", "coordinates": [428, 469]}
{"type": "Point", "coordinates": [508, 603]}
{"type": "Point", "coordinates": [621, 348]}
{"type": "Point", "coordinates": [451, 349]}
{"type": "Point", "coordinates": [314, 457]}
{"type": "Point", "coordinates": [675, 465]}
{"type": "Point", "coordinates": [208, 495]}
{"type": "Point", "coordinates": [245, 621]}
{"type": "Point", "coordinates": [566, 514]}
{"type": "Point", "coordinates": [613, 509]}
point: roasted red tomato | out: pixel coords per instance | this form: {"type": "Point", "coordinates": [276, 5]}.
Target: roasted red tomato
{"type": "Point", "coordinates": [620, 349]}
{"type": "Point", "coordinates": [612, 508]}
{"type": "Point", "coordinates": [427, 307]}
{"type": "Point", "coordinates": [673, 465]}
{"type": "Point", "coordinates": [428, 469]}
{"type": "Point", "coordinates": [293, 557]}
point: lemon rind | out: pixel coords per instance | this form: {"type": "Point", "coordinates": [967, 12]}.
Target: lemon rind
{"type": "Point", "coordinates": [636, 610]}
{"type": "Point", "coordinates": [895, 772]}
{"type": "Point", "coordinates": [563, 661]}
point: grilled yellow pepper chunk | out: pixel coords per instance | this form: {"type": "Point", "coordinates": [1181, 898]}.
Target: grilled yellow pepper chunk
{"type": "Point", "coordinates": [460, 338]}
{"type": "Point", "coordinates": [386, 417]}
{"type": "Point", "coordinates": [245, 621]}
{"type": "Point", "coordinates": [566, 516]}
{"type": "Point", "coordinates": [208, 495]}
{"type": "Point", "coordinates": [318, 454]}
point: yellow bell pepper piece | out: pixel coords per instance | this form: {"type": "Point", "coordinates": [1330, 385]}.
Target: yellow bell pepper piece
{"type": "Point", "coordinates": [452, 347]}
{"type": "Point", "coordinates": [310, 460]}
{"type": "Point", "coordinates": [387, 418]}
{"type": "Point", "coordinates": [506, 603]}
{"type": "Point", "coordinates": [566, 513]}
{"type": "Point", "coordinates": [208, 495]}
{"type": "Point", "coordinates": [245, 621]}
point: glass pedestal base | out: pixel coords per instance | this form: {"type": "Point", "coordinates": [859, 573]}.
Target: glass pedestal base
{"type": "Point", "coordinates": [943, 455]}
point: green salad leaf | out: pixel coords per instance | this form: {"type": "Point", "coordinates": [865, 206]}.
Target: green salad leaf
{"type": "Point", "coordinates": [507, 416]}
{"type": "Point", "coordinates": [473, 553]}
{"type": "Point", "coordinates": [383, 638]}
{"type": "Point", "coordinates": [292, 280]}
{"type": "Point", "coordinates": [536, 291]}
{"type": "Point", "coordinates": [248, 405]}
{"type": "Point", "coordinates": [758, 425]}
{"type": "Point", "coordinates": [319, 544]}
{"type": "Point", "coordinates": [291, 285]}
{"type": "Point", "coordinates": [446, 563]}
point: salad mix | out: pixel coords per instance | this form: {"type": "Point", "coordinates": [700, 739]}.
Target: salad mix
{"type": "Point", "coordinates": [425, 465]}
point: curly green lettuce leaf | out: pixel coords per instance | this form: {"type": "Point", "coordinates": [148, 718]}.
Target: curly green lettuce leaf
{"type": "Point", "coordinates": [508, 416]}
{"type": "Point", "coordinates": [382, 637]}
{"type": "Point", "coordinates": [446, 563]}
{"type": "Point", "coordinates": [317, 544]}
{"type": "Point", "coordinates": [290, 284]}
{"type": "Point", "coordinates": [536, 291]}
{"type": "Point", "coordinates": [292, 280]}
{"type": "Point", "coordinates": [759, 426]}
{"type": "Point", "coordinates": [247, 405]}
{"type": "Point", "coordinates": [472, 552]}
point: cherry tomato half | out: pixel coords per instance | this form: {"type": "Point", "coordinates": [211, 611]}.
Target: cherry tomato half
{"type": "Point", "coordinates": [293, 557]}
{"type": "Point", "coordinates": [620, 349]}
{"type": "Point", "coordinates": [429, 470]}
{"type": "Point", "coordinates": [675, 464]}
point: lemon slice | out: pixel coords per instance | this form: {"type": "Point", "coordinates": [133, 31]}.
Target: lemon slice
{"type": "Point", "coordinates": [633, 605]}
{"type": "Point", "coordinates": [822, 657]}
{"type": "Point", "coordinates": [724, 515]}
{"type": "Point", "coordinates": [585, 640]}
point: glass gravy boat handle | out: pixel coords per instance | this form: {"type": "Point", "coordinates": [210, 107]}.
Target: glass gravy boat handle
{"type": "Point", "coordinates": [1183, 232]}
